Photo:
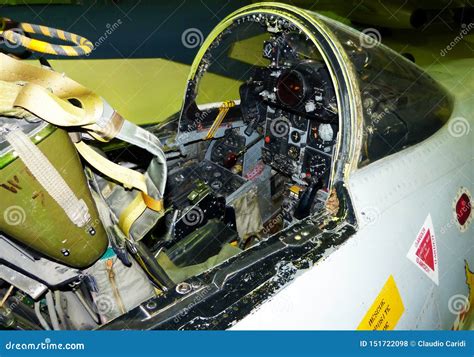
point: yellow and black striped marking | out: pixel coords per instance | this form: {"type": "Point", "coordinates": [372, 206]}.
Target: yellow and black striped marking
{"type": "Point", "coordinates": [82, 45]}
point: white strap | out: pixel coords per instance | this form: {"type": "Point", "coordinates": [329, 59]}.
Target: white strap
{"type": "Point", "coordinates": [49, 177]}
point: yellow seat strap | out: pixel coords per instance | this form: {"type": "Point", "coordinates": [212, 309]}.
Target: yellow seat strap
{"type": "Point", "coordinates": [131, 213]}
{"type": "Point", "coordinates": [49, 107]}
{"type": "Point", "coordinates": [46, 94]}
{"type": "Point", "coordinates": [52, 106]}
{"type": "Point", "coordinates": [129, 178]}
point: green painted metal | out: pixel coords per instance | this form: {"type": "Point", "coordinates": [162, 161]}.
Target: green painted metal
{"type": "Point", "coordinates": [10, 156]}
{"type": "Point", "coordinates": [31, 216]}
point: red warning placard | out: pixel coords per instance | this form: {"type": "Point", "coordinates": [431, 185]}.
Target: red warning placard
{"type": "Point", "coordinates": [423, 250]}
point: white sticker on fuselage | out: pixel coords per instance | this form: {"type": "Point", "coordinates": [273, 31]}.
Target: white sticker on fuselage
{"type": "Point", "coordinates": [423, 252]}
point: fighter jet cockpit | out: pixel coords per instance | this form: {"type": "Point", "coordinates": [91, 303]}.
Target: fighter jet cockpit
{"type": "Point", "coordinates": [223, 203]}
{"type": "Point", "coordinates": [276, 115]}
{"type": "Point", "coordinates": [269, 128]}
{"type": "Point", "coordinates": [273, 120]}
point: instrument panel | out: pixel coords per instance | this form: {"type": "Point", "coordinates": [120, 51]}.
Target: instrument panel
{"type": "Point", "coordinates": [294, 102]}
{"type": "Point", "coordinates": [297, 146]}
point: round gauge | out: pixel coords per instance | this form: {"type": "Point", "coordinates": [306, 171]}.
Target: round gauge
{"type": "Point", "coordinates": [295, 136]}
{"type": "Point", "coordinates": [299, 122]}
{"type": "Point", "coordinates": [317, 166]}
{"type": "Point", "coordinates": [293, 152]}
{"type": "Point", "coordinates": [216, 185]}
{"type": "Point", "coordinates": [290, 88]}
{"type": "Point", "coordinates": [326, 133]}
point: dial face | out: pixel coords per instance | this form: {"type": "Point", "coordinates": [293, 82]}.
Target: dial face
{"type": "Point", "coordinates": [290, 88]}
{"type": "Point", "coordinates": [295, 136]}
{"type": "Point", "coordinates": [293, 152]}
{"type": "Point", "coordinates": [216, 185]}
{"type": "Point", "coordinates": [299, 122]}
{"type": "Point", "coordinates": [326, 133]}
{"type": "Point", "coordinates": [317, 166]}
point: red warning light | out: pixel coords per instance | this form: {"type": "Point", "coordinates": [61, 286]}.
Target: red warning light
{"type": "Point", "coordinates": [463, 209]}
